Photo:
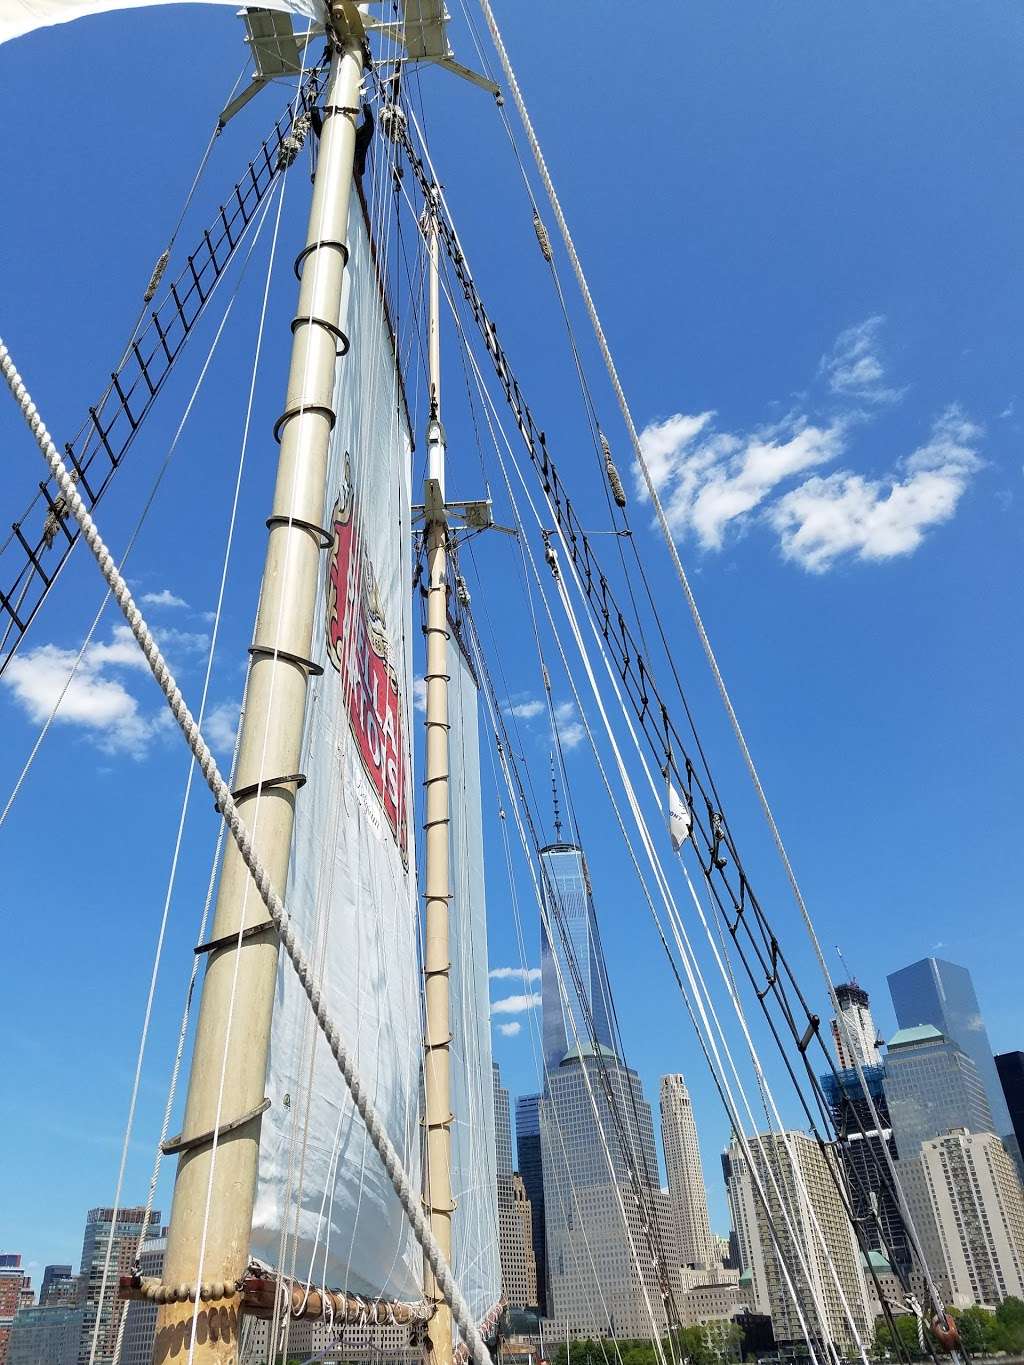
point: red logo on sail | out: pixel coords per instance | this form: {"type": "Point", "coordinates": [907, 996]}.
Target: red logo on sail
{"type": "Point", "coordinates": [358, 647]}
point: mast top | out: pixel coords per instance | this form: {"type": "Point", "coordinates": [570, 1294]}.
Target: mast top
{"type": "Point", "coordinates": [554, 800]}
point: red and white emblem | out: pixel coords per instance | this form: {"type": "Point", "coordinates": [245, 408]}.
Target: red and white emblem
{"type": "Point", "coordinates": [358, 647]}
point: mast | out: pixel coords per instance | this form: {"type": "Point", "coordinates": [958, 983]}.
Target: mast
{"type": "Point", "coordinates": [437, 1061]}
{"type": "Point", "coordinates": [212, 1206]}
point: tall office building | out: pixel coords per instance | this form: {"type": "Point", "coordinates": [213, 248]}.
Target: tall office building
{"type": "Point", "coordinates": [574, 983]}
{"type": "Point", "coordinates": [862, 1146]}
{"type": "Point", "coordinates": [601, 1200]}
{"type": "Point", "coordinates": [529, 1160]}
{"type": "Point", "coordinates": [804, 1181]}
{"type": "Point", "coordinates": [968, 1207]}
{"type": "Point", "coordinates": [12, 1281]}
{"type": "Point", "coordinates": [515, 1246]}
{"type": "Point", "coordinates": [931, 1087]}
{"type": "Point", "coordinates": [853, 1028]}
{"type": "Point", "coordinates": [1010, 1068]}
{"type": "Point", "coordinates": [59, 1287]}
{"type": "Point", "coordinates": [940, 993]}
{"type": "Point", "coordinates": [124, 1228]}
{"type": "Point", "coordinates": [687, 1193]}
{"type": "Point", "coordinates": [46, 1335]}
{"type": "Point", "coordinates": [140, 1314]}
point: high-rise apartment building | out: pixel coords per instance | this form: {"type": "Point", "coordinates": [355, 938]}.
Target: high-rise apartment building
{"type": "Point", "coordinates": [1010, 1068]}
{"type": "Point", "coordinates": [124, 1229]}
{"type": "Point", "coordinates": [601, 1199]}
{"type": "Point", "coordinates": [46, 1335]}
{"type": "Point", "coordinates": [799, 1188]}
{"type": "Point", "coordinates": [529, 1159]}
{"type": "Point", "coordinates": [574, 983]}
{"type": "Point", "coordinates": [862, 1146]}
{"type": "Point", "coordinates": [140, 1314]}
{"type": "Point", "coordinates": [968, 1207]}
{"type": "Point", "coordinates": [695, 1245]}
{"type": "Point", "coordinates": [931, 1086]}
{"type": "Point", "coordinates": [942, 994]}
{"type": "Point", "coordinates": [59, 1287]}
{"type": "Point", "coordinates": [853, 1028]}
{"type": "Point", "coordinates": [12, 1281]}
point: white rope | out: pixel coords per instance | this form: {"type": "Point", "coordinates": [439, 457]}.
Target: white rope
{"type": "Point", "coordinates": [398, 1176]}
{"type": "Point", "coordinates": [691, 600]}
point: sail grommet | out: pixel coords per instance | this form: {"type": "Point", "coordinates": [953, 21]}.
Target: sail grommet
{"type": "Point", "coordinates": [184, 1144]}
{"type": "Point", "coordinates": [314, 669]}
{"type": "Point", "coordinates": [310, 247]}
{"type": "Point", "coordinates": [325, 537]}
{"type": "Point", "coordinates": [342, 347]}
{"type": "Point", "coordinates": [321, 408]}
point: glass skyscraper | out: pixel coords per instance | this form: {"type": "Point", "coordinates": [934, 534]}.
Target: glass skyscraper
{"type": "Point", "coordinates": [528, 1155]}
{"type": "Point", "coordinates": [940, 993]}
{"type": "Point", "coordinates": [584, 1012]}
{"type": "Point", "coordinates": [931, 1087]}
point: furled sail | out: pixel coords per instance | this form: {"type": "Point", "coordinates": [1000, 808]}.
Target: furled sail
{"type": "Point", "coordinates": [325, 1210]}
{"type": "Point", "coordinates": [22, 16]}
{"type": "Point", "coordinates": [474, 1157]}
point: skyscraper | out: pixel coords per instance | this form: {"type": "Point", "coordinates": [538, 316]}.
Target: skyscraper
{"type": "Point", "coordinates": [853, 1029]}
{"type": "Point", "coordinates": [124, 1228]}
{"type": "Point", "coordinates": [940, 993]}
{"type": "Point", "coordinates": [514, 1245]}
{"type": "Point", "coordinates": [862, 1148]}
{"type": "Point", "coordinates": [574, 983]}
{"type": "Point", "coordinates": [601, 1199]}
{"type": "Point", "coordinates": [12, 1280]}
{"type": "Point", "coordinates": [968, 1207]}
{"type": "Point", "coordinates": [140, 1314]}
{"type": "Point", "coordinates": [528, 1155]}
{"type": "Point", "coordinates": [806, 1184]}
{"type": "Point", "coordinates": [687, 1192]}
{"type": "Point", "coordinates": [1010, 1067]}
{"type": "Point", "coordinates": [931, 1087]}
{"type": "Point", "coordinates": [59, 1286]}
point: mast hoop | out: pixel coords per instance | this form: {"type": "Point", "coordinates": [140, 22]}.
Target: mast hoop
{"type": "Point", "coordinates": [310, 247]}
{"type": "Point", "coordinates": [321, 409]}
{"type": "Point", "coordinates": [342, 347]}
{"type": "Point", "coordinates": [325, 537]}
{"type": "Point", "coordinates": [254, 788]}
{"type": "Point", "coordinates": [229, 939]}
{"type": "Point", "coordinates": [184, 1144]}
{"type": "Point", "coordinates": [314, 669]}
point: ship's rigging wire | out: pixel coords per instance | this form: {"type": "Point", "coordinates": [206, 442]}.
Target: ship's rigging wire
{"type": "Point", "coordinates": [712, 660]}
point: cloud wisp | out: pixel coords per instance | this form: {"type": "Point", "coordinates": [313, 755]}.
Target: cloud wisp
{"type": "Point", "coordinates": [516, 1004]}
{"type": "Point", "coordinates": [854, 367]}
{"type": "Point", "coordinates": [525, 974]}
{"type": "Point", "coordinates": [163, 598]}
{"type": "Point", "coordinates": [511, 1029]}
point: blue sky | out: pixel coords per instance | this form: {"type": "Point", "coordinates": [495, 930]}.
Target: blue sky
{"type": "Point", "coordinates": [802, 227]}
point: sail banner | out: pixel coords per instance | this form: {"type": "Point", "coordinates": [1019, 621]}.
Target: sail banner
{"type": "Point", "coordinates": [325, 1211]}
{"type": "Point", "coordinates": [475, 1256]}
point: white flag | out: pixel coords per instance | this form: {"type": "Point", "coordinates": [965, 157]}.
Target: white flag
{"type": "Point", "coordinates": [679, 818]}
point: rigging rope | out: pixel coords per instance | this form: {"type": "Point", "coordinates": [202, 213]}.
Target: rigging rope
{"type": "Point", "coordinates": [397, 1174]}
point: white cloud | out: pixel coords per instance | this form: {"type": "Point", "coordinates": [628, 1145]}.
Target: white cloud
{"type": "Point", "coordinates": [515, 1004]}
{"type": "Point", "coordinates": [97, 701]}
{"type": "Point", "coordinates": [854, 366]}
{"type": "Point", "coordinates": [526, 710]}
{"type": "Point", "coordinates": [419, 693]}
{"type": "Point", "coordinates": [510, 1030]}
{"type": "Point", "coordinates": [220, 725]}
{"type": "Point", "coordinates": [846, 514]}
{"type": "Point", "coordinates": [163, 598]}
{"type": "Point", "coordinates": [709, 479]}
{"type": "Point", "coordinates": [526, 974]}
{"type": "Point", "coordinates": [568, 727]}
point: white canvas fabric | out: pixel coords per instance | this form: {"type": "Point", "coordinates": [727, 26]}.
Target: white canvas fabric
{"type": "Point", "coordinates": [352, 884]}
{"type": "Point", "coordinates": [475, 1253]}
{"type": "Point", "coordinates": [18, 17]}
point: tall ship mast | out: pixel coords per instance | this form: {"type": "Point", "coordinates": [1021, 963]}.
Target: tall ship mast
{"type": "Point", "coordinates": [336, 1156]}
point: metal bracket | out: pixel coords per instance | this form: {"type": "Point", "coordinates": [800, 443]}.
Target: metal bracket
{"type": "Point", "coordinates": [184, 1144]}
{"type": "Point", "coordinates": [229, 939]}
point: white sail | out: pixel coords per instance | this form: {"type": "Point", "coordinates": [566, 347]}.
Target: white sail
{"type": "Point", "coordinates": [22, 16]}
{"type": "Point", "coordinates": [352, 884]}
{"type": "Point", "coordinates": [475, 1257]}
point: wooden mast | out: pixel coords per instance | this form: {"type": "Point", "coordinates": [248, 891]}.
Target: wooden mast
{"type": "Point", "coordinates": [214, 1190]}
